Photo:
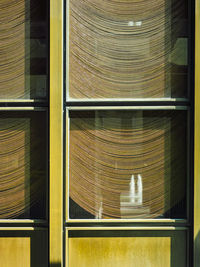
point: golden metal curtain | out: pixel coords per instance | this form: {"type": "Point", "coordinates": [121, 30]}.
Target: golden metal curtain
{"type": "Point", "coordinates": [22, 53]}
{"type": "Point", "coordinates": [127, 49]}
{"type": "Point", "coordinates": [22, 164]}
{"type": "Point", "coordinates": [127, 164]}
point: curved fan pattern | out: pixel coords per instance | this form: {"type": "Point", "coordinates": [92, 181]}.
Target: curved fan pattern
{"type": "Point", "coordinates": [22, 171]}
{"type": "Point", "coordinates": [18, 47]}
{"type": "Point", "coordinates": [127, 164]}
{"type": "Point", "coordinates": [127, 49]}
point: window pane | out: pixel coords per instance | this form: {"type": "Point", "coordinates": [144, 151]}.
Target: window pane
{"type": "Point", "coordinates": [128, 49]}
{"type": "Point", "coordinates": [23, 164]}
{"type": "Point", "coordinates": [23, 49]}
{"type": "Point", "coordinates": [127, 164]}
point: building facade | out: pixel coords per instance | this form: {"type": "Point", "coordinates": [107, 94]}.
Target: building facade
{"type": "Point", "coordinates": [99, 133]}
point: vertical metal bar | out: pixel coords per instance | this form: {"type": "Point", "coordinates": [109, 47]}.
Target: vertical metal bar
{"type": "Point", "coordinates": [197, 139]}
{"type": "Point", "coordinates": [67, 49]}
{"type": "Point", "coordinates": [56, 135]}
{"type": "Point", "coordinates": [66, 247]}
{"type": "Point", "coordinates": [67, 166]}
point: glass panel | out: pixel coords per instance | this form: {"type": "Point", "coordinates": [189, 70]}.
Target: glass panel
{"type": "Point", "coordinates": [23, 165]}
{"type": "Point", "coordinates": [127, 164]}
{"type": "Point", "coordinates": [23, 49]}
{"type": "Point", "coordinates": [123, 248]}
{"type": "Point", "coordinates": [127, 49]}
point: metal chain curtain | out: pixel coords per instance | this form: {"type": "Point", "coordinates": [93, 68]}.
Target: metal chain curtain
{"type": "Point", "coordinates": [127, 49]}
{"type": "Point", "coordinates": [22, 164]}
{"type": "Point", "coordinates": [22, 136]}
{"type": "Point", "coordinates": [14, 166]}
{"type": "Point", "coordinates": [128, 164]}
{"type": "Point", "coordinates": [19, 46]}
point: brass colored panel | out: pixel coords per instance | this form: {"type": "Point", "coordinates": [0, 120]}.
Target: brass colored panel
{"type": "Point", "coordinates": [96, 246]}
{"type": "Point", "coordinates": [56, 124]}
{"type": "Point", "coordinates": [23, 249]}
{"type": "Point", "coordinates": [197, 141]}
{"type": "Point", "coordinates": [126, 252]}
{"type": "Point", "coordinates": [15, 251]}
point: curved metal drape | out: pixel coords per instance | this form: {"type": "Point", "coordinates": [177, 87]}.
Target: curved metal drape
{"type": "Point", "coordinates": [22, 165]}
{"type": "Point", "coordinates": [19, 46]}
{"type": "Point", "coordinates": [127, 49]}
{"type": "Point", "coordinates": [127, 164]}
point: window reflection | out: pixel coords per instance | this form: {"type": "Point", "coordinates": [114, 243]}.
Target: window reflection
{"type": "Point", "coordinates": [127, 50]}
{"type": "Point", "coordinates": [23, 49]}
{"type": "Point", "coordinates": [23, 159]}
{"type": "Point", "coordinates": [127, 164]}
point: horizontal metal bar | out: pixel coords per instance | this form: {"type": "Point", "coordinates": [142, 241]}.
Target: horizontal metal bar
{"type": "Point", "coordinates": [22, 108]}
{"type": "Point", "coordinates": [22, 101]}
{"type": "Point", "coordinates": [183, 221]}
{"type": "Point", "coordinates": [132, 228]}
{"type": "Point", "coordinates": [23, 228]}
{"type": "Point", "coordinates": [22, 221]}
{"type": "Point", "coordinates": [128, 108]}
{"type": "Point", "coordinates": [162, 99]}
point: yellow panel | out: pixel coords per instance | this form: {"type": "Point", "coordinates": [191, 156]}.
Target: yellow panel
{"type": "Point", "coordinates": [56, 124]}
{"type": "Point", "coordinates": [15, 251]}
{"type": "Point", "coordinates": [117, 252]}
{"type": "Point", "coordinates": [23, 248]}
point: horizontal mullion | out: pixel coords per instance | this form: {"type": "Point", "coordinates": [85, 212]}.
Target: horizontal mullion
{"type": "Point", "coordinates": [23, 223]}
{"type": "Point", "coordinates": [132, 228]}
{"type": "Point", "coordinates": [127, 107]}
{"type": "Point", "coordinates": [126, 221]}
{"type": "Point", "coordinates": [23, 228]}
{"type": "Point", "coordinates": [22, 108]}
{"type": "Point", "coordinates": [159, 99]}
{"type": "Point", "coordinates": [22, 104]}
{"type": "Point", "coordinates": [132, 102]}
{"type": "Point", "coordinates": [18, 100]}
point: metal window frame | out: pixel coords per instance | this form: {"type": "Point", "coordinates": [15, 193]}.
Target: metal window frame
{"type": "Point", "coordinates": [56, 135]}
{"type": "Point", "coordinates": [196, 233]}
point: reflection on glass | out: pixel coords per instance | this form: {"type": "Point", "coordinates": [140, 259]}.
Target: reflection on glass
{"type": "Point", "coordinates": [127, 164]}
{"type": "Point", "coordinates": [23, 49]}
{"type": "Point", "coordinates": [22, 165]}
{"type": "Point", "coordinates": [133, 198]}
{"type": "Point", "coordinates": [127, 49]}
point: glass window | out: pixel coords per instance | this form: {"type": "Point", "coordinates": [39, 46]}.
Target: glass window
{"type": "Point", "coordinates": [127, 164]}
{"type": "Point", "coordinates": [23, 165]}
{"type": "Point", "coordinates": [127, 49]}
{"type": "Point", "coordinates": [23, 49]}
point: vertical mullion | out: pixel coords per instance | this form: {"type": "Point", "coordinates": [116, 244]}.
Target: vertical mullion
{"type": "Point", "coordinates": [56, 135]}
{"type": "Point", "coordinates": [197, 139]}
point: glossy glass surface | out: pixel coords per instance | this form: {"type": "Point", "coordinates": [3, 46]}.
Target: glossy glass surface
{"type": "Point", "coordinates": [23, 165]}
{"type": "Point", "coordinates": [127, 164]}
{"type": "Point", "coordinates": [127, 49]}
{"type": "Point", "coordinates": [23, 49]}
